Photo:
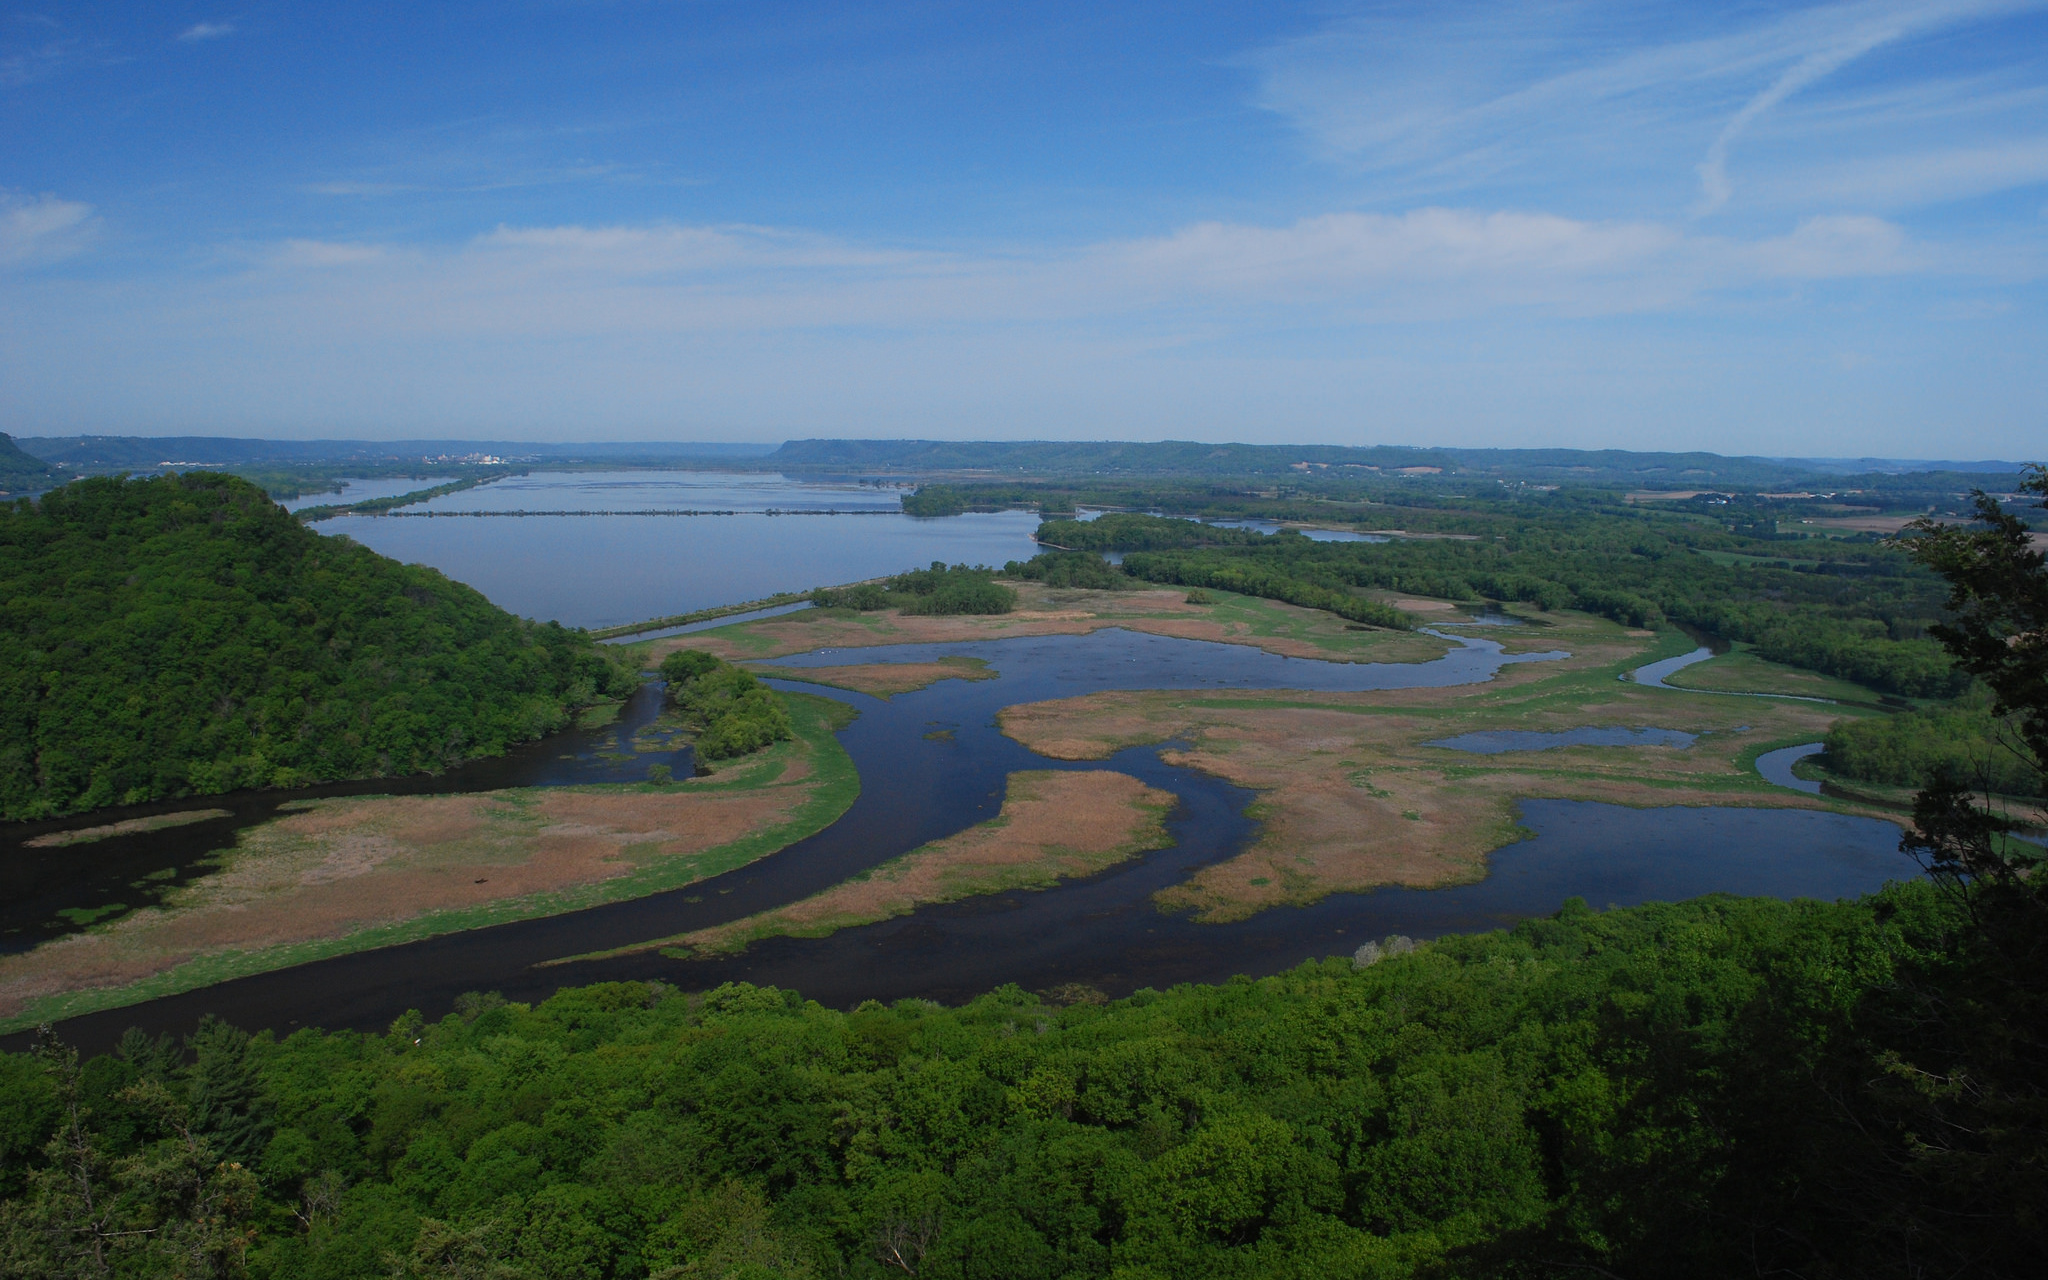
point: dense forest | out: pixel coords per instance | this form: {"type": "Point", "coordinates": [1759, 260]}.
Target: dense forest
{"type": "Point", "coordinates": [1718, 1087]}
{"type": "Point", "coordinates": [185, 635]}
{"type": "Point", "coordinates": [1860, 611]}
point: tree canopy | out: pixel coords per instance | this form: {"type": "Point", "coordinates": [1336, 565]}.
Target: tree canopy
{"type": "Point", "coordinates": [185, 635]}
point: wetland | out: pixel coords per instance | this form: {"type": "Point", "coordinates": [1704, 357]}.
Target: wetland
{"type": "Point", "coordinates": [1276, 770]}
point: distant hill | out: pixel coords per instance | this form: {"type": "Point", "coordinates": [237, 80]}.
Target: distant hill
{"type": "Point", "coordinates": [185, 635]}
{"type": "Point", "coordinates": [1192, 459]}
{"type": "Point", "coordinates": [134, 453]}
{"type": "Point", "coordinates": [20, 472]}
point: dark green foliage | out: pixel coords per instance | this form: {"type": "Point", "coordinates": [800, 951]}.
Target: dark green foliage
{"type": "Point", "coordinates": [1914, 748]}
{"type": "Point", "coordinates": [1252, 578]}
{"type": "Point", "coordinates": [1695, 1089]}
{"type": "Point", "coordinates": [1122, 531]}
{"type": "Point", "coordinates": [937, 590]}
{"type": "Point", "coordinates": [1070, 569]}
{"type": "Point", "coordinates": [1859, 611]}
{"type": "Point", "coordinates": [735, 713]}
{"type": "Point", "coordinates": [20, 472]}
{"type": "Point", "coordinates": [184, 635]}
{"type": "Point", "coordinates": [223, 1091]}
{"type": "Point", "coordinates": [934, 500]}
{"type": "Point", "coordinates": [866, 596]}
{"type": "Point", "coordinates": [960, 589]}
{"type": "Point", "coordinates": [1998, 601]}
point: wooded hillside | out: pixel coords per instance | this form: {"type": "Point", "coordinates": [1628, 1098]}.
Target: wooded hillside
{"type": "Point", "coordinates": [185, 635]}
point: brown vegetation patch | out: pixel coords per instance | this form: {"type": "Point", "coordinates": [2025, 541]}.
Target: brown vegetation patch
{"type": "Point", "coordinates": [340, 866]}
{"type": "Point", "coordinates": [126, 827]}
{"type": "Point", "coordinates": [885, 678]}
{"type": "Point", "coordinates": [1045, 611]}
{"type": "Point", "coordinates": [1053, 826]}
{"type": "Point", "coordinates": [1862, 524]}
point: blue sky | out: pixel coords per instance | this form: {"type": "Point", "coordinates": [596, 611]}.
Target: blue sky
{"type": "Point", "coordinates": [1780, 229]}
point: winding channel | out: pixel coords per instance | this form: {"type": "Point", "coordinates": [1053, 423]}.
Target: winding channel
{"type": "Point", "coordinates": [919, 785]}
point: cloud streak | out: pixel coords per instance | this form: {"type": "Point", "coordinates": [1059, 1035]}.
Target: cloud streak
{"type": "Point", "coordinates": [35, 230]}
{"type": "Point", "coordinates": [1603, 99]}
{"type": "Point", "coordinates": [206, 31]}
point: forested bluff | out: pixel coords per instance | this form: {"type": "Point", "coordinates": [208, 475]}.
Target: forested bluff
{"type": "Point", "coordinates": [183, 635]}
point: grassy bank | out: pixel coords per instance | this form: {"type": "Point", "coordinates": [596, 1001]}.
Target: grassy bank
{"type": "Point", "coordinates": [829, 785]}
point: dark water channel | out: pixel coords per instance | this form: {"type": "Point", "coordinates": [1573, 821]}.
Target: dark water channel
{"type": "Point", "coordinates": [933, 762]}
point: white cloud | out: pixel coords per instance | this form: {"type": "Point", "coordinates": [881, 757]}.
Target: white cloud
{"type": "Point", "coordinates": [1606, 97]}
{"type": "Point", "coordinates": [206, 31]}
{"type": "Point", "coordinates": [1341, 268]}
{"type": "Point", "coordinates": [39, 229]}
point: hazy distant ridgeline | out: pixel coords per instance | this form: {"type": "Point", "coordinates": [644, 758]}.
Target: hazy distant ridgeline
{"type": "Point", "coordinates": [1193, 458]}
{"type": "Point", "coordinates": [20, 471]}
{"type": "Point", "coordinates": [183, 635]}
{"type": "Point", "coordinates": [1013, 459]}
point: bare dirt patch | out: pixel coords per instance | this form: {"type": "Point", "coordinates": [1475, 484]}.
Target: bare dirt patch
{"type": "Point", "coordinates": [339, 866]}
{"type": "Point", "coordinates": [885, 678]}
{"type": "Point", "coordinates": [127, 827]}
{"type": "Point", "coordinates": [1053, 826]}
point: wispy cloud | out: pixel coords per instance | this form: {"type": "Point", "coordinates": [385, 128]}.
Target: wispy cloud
{"type": "Point", "coordinates": [206, 31]}
{"type": "Point", "coordinates": [1600, 96]}
{"type": "Point", "coordinates": [1343, 268]}
{"type": "Point", "coordinates": [40, 229]}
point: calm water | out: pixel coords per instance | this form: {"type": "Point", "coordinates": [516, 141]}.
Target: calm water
{"type": "Point", "coordinates": [606, 570]}
{"type": "Point", "coordinates": [917, 787]}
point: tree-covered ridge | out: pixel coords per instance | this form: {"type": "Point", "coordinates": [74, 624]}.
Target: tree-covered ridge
{"type": "Point", "coordinates": [20, 471]}
{"type": "Point", "coordinates": [185, 635]}
{"type": "Point", "coordinates": [1717, 1087]}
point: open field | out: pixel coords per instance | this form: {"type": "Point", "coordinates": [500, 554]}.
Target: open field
{"type": "Point", "coordinates": [351, 874]}
{"type": "Point", "coordinates": [1232, 619]}
{"type": "Point", "coordinates": [1054, 825]}
{"type": "Point", "coordinates": [1861, 524]}
{"type": "Point", "coordinates": [885, 678]}
{"type": "Point", "coordinates": [1741, 671]}
{"type": "Point", "coordinates": [1353, 798]}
